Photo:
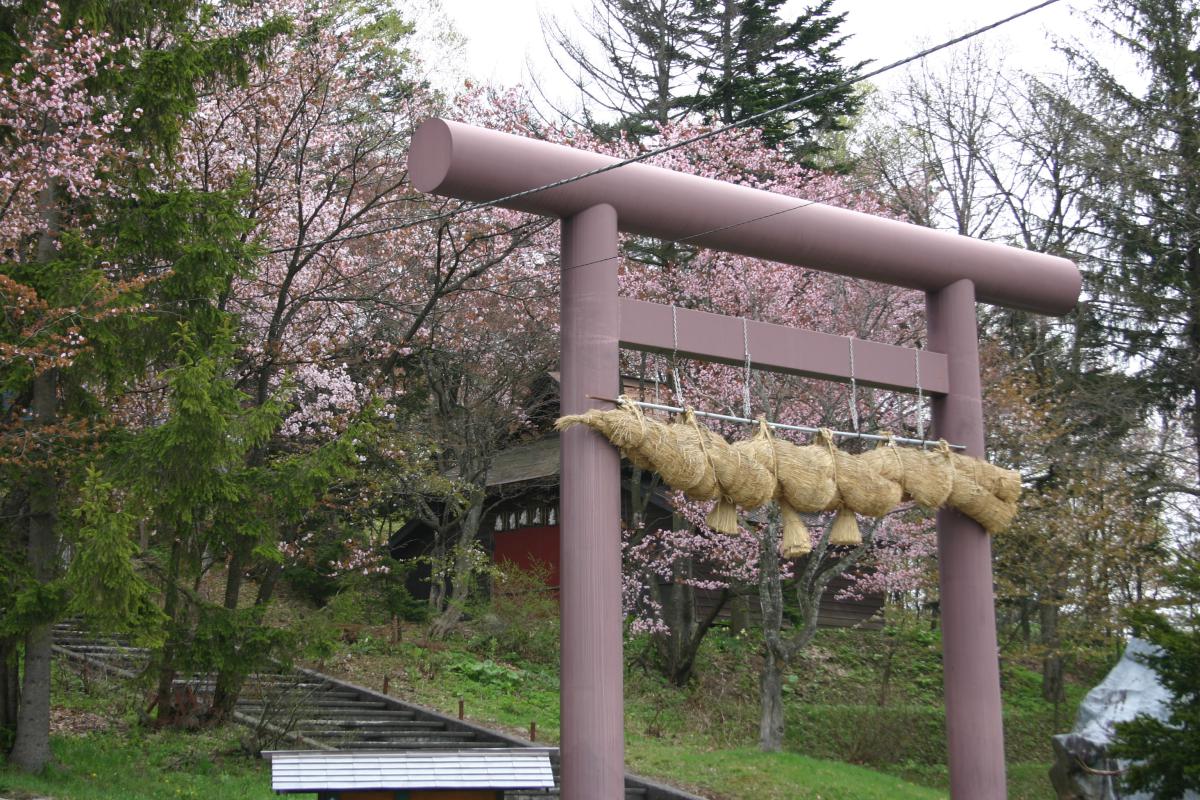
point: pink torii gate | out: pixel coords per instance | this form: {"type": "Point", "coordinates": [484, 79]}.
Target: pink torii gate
{"type": "Point", "coordinates": [469, 163]}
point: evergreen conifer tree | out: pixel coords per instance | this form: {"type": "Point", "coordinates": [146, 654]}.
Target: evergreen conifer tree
{"type": "Point", "coordinates": [653, 63]}
{"type": "Point", "coordinates": [750, 59]}
{"type": "Point", "coordinates": [1143, 160]}
{"type": "Point", "coordinates": [1166, 754]}
{"type": "Point", "coordinates": [104, 254]}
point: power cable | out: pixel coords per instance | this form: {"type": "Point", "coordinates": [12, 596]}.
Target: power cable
{"type": "Point", "coordinates": [701, 136]}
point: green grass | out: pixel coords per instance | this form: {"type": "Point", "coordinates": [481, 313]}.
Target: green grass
{"type": "Point", "coordinates": [840, 742]}
{"type": "Point", "coordinates": [863, 710]}
{"type": "Point", "coordinates": [126, 761]}
{"type": "Point", "coordinates": [129, 765]}
{"type": "Point", "coordinates": [747, 773]}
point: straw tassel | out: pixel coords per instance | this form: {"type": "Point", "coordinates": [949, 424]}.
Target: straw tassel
{"type": "Point", "coordinates": [845, 532]}
{"type": "Point", "coordinates": [797, 541]}
{"type": "Point", "coordinates": [723, 518]}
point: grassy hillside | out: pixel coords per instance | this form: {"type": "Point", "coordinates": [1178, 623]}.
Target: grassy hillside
{"type": "Point", "coordinates": [864, 712]}
{"type": "Point", "coordinates": [101, 752]}
{"type": "Point", "coordinates": [864, 698]}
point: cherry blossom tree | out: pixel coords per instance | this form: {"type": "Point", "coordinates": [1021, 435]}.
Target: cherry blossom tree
{"type": "Point", "coordinates": [666, 567]}
{"type": "Point", "coordinates": [347, 293]}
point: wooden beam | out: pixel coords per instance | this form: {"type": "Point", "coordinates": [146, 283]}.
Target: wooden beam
{"type": "Point", "coordinates": [777, 348]}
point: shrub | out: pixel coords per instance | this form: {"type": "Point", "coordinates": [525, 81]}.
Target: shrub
{"type": "Point", "coordinates": [521, 620]}
{"type": "Point", "coordinates": [488, 673]}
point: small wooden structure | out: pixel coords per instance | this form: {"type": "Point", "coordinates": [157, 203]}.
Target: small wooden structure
{"type": "Point", "coordinates": [481, 774]}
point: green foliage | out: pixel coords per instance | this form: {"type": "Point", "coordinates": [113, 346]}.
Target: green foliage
{"type": "Point", "coordinates": [520, 622]}
{"type": "Point", "coordinates": [237, 641]}
{"type": "Point", "coordinates": [1166, 755]}
{"type": "Point", "coordinates": [753, 60]}
{"type": "Point", "coordinates": [194, 462]}
{"type": "Point", "coordinates": [31, 603]}
{"type": "Point", "coordinates": [119, 764]}
{"type": "Point", "coordinates": [106, 587]}
{"type": "Point", "coordinates": [348, 607]}
{"type": "Point", "coordinates": [746, 772]}
{"type": "Point", "coordinates": [488, 673]}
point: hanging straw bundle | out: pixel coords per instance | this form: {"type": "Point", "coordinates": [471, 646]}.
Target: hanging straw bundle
{"type": "Point", "coordinates": [741, 481]}
{"type": "Point", "coordinates": [784, 467]}
{"type": "Point", "coordinates": [737, 479]}
{"type": "Point", "coordinates": [804, 474]}
{"type": "Point", "coordinates": [862, 487]}
{"type": "Point", "coordinates": [818, 477]}
{"type": "Point", "coordinates": [684, 462]}
{"type": "Point", "coordinates": [797, 541]}
{"type": "Point", "coordinates": [925, 476]}
{"type": "Point", "coordinates": [984, 492]}
{"type": "Point", "coordinates": [637, 436]}
{"type": "Point", "coordinates": [742, 477]}
{"type": "Point", "coordinates": [844, 531]}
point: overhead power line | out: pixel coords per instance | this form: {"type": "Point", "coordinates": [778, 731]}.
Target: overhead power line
{"type": "Point", "coordinates": [918, 56]}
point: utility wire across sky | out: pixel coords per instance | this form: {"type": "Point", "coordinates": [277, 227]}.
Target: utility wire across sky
{"type": "Point", "coordinates": [918, 56]}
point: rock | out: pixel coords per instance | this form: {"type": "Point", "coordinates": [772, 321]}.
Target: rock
{"type": "Point", "coordinates": [1082, 767]}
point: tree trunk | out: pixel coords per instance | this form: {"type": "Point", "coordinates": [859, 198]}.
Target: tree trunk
{"type": "Point", "coordinates": [171, 710]}
{"type": "Point", "coordinates": [1026, 633]}
{"type": "Point", "coordinates": [1052, 663]}
{"type": "Point", "coordinates": [31, 749]}
{"type": "Point", "coordinates": [266, 589]}
{"type": "Point", "coordinates": [10, 691]}
{"type": "Point", "coordinates": [770, 690]}
{"type": "Point", "coordinates": [728, 57]}
{"type": "Point", "coordinates": [678, 647]}
{"type": "Point", "coordinates": [770, 686]}
{"type": "Point", "coordinates": [229, 681]}
{"type": "Point", "coordinates": [460, 578]}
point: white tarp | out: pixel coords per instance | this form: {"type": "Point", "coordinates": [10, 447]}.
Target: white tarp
{"type": "Point", "coordinates": [1082, 768]}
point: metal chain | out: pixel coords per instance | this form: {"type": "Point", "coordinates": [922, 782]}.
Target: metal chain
{"type": "Point", "coordinates": [853, 387]}
{"type": "Point", "coordinates": [920, 398]}
{"type": "Point", "coordinates": [658, 377]}
{"type": "Point", "coordinates": [746, 382]}
{"type": "Point", "coordinates": [675, 356]}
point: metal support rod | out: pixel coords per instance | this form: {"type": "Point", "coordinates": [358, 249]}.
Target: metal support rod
{"type": "Point", "coordinates": [591, 678]}
{"type": "Point", "coordinates": [874, 437]}
{"type": "Point", "coordinates": [974, 725]}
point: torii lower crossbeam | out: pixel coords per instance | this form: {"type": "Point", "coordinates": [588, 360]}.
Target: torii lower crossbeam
{"type": "Point", "coordinates": [657, 328]}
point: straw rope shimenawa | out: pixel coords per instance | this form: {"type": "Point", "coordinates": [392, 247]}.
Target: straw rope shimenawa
{"type": "Point", "coordinates": [817, 477]}
{"type": "Point", "coordinates": [764, 449]}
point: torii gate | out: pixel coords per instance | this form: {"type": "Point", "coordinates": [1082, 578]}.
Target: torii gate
{"type": "Point", "coordinates": [469, 163]}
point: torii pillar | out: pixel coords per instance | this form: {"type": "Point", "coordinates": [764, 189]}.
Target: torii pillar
{"type": "Point", "coordinates": [592, 699]}
{"type": "Point", "coordinates": [970, 656]}
{"type": "Point", "coordinates": [474, 164]}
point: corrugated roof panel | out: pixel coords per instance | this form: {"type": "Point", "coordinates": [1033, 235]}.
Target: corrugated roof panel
{"type": "Point", "coordinates": [493, 768]}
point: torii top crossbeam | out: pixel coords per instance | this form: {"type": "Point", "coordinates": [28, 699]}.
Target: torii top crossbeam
{"type": "Point", "coordinates": [481, 165]}
{"type": "Point", "coordinates": [474, 164]}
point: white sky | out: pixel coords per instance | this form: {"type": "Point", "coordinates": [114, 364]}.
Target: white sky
{"type": "Point", "coordinates": [504, 40]}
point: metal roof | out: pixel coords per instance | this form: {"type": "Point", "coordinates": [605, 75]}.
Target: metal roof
{"type": "Point", "coordinates": [485, 768]}
{"type": "Point", "coordinates": [526, 462]}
